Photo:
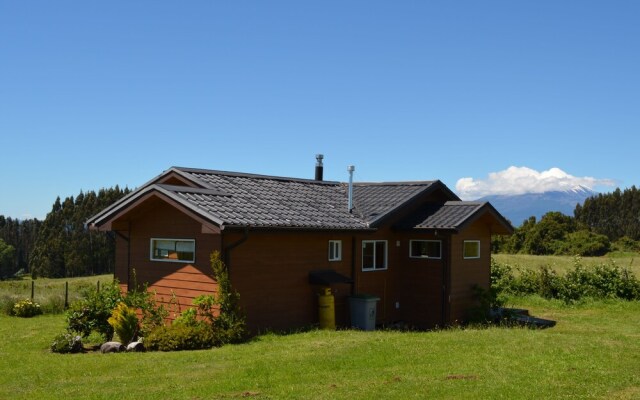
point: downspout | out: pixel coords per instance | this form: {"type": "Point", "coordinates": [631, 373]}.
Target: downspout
{"type": "Point", "coordinates": [227, 249]}
{"type": "Point", "coordinates": [446, 283]}
{"type": "Point", "coordinates": [353, 265]}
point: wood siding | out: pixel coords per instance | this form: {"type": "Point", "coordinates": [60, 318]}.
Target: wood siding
{"type": "Point", "coordinates": [420, 284]}
{"type": "Point", "coordinates": [465, 273]}
{"type": "Point", "coordinates": [185, 281]}
{"type": "Point", "coordinates": [271, 269]}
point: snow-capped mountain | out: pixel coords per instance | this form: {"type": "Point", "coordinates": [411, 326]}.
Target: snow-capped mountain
{"type": "Point", "coordinates": [518, 208]}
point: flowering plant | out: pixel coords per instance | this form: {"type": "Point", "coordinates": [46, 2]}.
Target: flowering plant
{"type": "Point", "coordinates": [26, 308]}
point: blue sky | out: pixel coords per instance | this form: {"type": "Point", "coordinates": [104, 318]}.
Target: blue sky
{"type": "Point", "coordinates": [476, 94]}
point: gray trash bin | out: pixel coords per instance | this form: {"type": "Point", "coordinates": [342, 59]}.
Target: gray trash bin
{"type": "Point", "coordinates": [363, 311]}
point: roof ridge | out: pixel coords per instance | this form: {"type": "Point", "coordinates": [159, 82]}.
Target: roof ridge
{"type": "Point", "coordinates": [189, 189]}
{"type": "Point", "coordinates": [253, 176]}
{"type": "Point", "coordinates": [395, 183]}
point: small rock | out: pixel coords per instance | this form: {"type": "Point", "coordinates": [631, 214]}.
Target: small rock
{"type": "Point", "coordinates": [111, 347]}
{"type": "Point", "coordinates": [135, 346]}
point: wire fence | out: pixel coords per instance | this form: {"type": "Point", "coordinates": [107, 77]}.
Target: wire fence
{"type": "Point", "coordinates": [54, 295]}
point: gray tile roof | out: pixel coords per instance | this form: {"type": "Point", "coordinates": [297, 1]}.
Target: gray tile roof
{"type": "Point", "coordinates": [247, 200]}
{"type": "Point", "coordinates": [258, 200]}
{"type": "Point", "coordinates": [374, 200]}
{"type": "Point", "coordinates": [450, 215]}
{"type": "Point", "coordinates": [241, 200]}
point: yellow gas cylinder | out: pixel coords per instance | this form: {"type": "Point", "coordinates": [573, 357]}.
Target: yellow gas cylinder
{"type": "Point", "coordinates": [326, 309]}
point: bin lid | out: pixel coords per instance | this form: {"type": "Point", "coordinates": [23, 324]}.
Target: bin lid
{"type": "Point", "coordinates": [364, 296]}
{"type": "Point", "coordinates": [327, 277]}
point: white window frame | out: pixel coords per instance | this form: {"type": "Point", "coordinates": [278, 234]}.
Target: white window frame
{"type": "Point", "coordinates": [464, 249]}
{"type": "Point", "coordinates": [425, 240]}
{"type": "Point", "coordinates": [151, 248]}
{"type": "Point", "coordinates": [386, 255]}
{"type": "Point", "coordinates": [336, 246]}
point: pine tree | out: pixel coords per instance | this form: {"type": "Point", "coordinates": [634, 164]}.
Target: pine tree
{"type": "Point", "coordinates": [65, 247]}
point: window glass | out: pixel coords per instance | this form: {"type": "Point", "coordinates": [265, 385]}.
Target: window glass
{"type": "Point", "coordinates": [425, 249]}
{"type": "Point", "coordinates": [374, 254]}
{"type": "Point", "coordinates": [471, 249]}
{"type": "Point", "coordinates": [176, 250]}
{"type": "Point", "coordinates": [335, 250]}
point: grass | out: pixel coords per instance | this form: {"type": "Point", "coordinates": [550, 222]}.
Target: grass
{"type": "Point", "coordinates": [592, 353]}
{"type": "Point", "coordinates": [50, 293]}
{"type": "Point", "coordinates": [562, 264]}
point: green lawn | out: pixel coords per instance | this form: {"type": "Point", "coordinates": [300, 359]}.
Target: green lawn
{"type": "Point", "coordinates": [562, 264]}
{"type": "Point", "coordinates": [593, 352]}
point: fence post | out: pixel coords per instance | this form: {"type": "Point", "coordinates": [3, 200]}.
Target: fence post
{"type": "Point", "coordinates": [98, 284]}
{"type": "Point", "coordinates": [33, 288]}
{"type": "Point", "coordinates": [66, 295]}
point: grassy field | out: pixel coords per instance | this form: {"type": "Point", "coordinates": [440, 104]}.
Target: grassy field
{"type": "Point", "coordinates": [562, 264]}
{"type": "Point", "coordinates": [592, 353]}
{"type": "Point", "coordinates": [48, 292]}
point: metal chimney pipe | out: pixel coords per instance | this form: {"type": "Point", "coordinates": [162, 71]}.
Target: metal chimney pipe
{"type": "Point", "coordinates": [319, 167]}
{"type": "Point", "coordinates": [351, 168]}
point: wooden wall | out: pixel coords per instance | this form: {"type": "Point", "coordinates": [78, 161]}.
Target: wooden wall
{"type": "Point", "coordinates": [465, 273]}
{"type": "Point", "coordinates": [270, 270]}
{"type": "Point", "coordinates": [420, 284]}
{"type": "Point", "coordinates": [157, 219]}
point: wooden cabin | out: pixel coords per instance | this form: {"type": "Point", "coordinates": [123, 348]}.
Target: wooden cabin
{"type": "Point", "coordinates": [415, 245]}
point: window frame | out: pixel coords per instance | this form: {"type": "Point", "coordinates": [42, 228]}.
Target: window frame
{"type": "Point", "coordinates": [425, 257]}
{"type": "Point", "coordinates": [337, 250]}
{"type": "Point", "coordinates": [464, 250]}
{"type": "Point", "coordinates": [151, 248]}
{"type": "Point", "coordinates": [386, 255]}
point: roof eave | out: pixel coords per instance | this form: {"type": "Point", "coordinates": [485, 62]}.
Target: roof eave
{"type": "Point", "coordinates": [296, 228]}
{"type": "Point", "coordinates": [131, 202]}
{"type": "Point", "coordinates": [478, 212]}
{"type": "Point", "coordinates": [140, 189]}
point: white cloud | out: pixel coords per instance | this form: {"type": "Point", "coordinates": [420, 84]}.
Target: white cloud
{"type": "Point", "coordinates": [519, 180]}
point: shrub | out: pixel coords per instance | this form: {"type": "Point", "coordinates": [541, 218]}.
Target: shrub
{"type": "Point", "coordinates": [26, 309]}
{"type": "Point", "coordinates": [66, 343]}
{"type": "Point", "coordinates": [230, 324]}
{"type": "Point", "coordinates": [140, 298]}
{"type": "Point", "coordinates": [626, 244]}
{"type": "Point", "coordinates": [188, 317]}
{"type": "Point", "coordinates": [214, 321]}
{"type": "Point", "coordinates": [92, 313]}
{"type": "Point", "coordinates": [601, 281]}
{"type": "Point", "coordinates": [124, 321]}
{"type": "Point", "coordinates": [487, 300]}
{"type": "Point", "coordinates": [6, 304]}
{"type": "Point", "coordinates": [585, 243]}
{"type": "Point", "coordinates": [181, 337]}
{"type": "Point", "coordinates": [501, 276]}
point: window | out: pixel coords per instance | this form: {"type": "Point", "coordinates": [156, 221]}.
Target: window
{"type": "Point", "coordinates": [173, 250]}
{"type": "Point", "coordinates": [335, 250]}
{"type": "Point", "coordinates": [374, 255]}
{"type": "Point", "coordinates": [471, 249]}
{"type": "Point", "coordinates": [425, 249]}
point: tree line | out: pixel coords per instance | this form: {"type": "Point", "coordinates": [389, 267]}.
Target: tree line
{"type": "Point", "coordinates": [60, 246]}
{"type": "Point", "coordinates": [603, 223]}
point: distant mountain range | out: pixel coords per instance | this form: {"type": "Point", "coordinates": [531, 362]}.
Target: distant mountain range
{"type": "Point", "coordinates": [518, 208]}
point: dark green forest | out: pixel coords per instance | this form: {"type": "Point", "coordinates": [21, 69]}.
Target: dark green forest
{"type": "Point", "coordinates": [603, 223]}
{"type": "Point", "coordinates": [60, 246]}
